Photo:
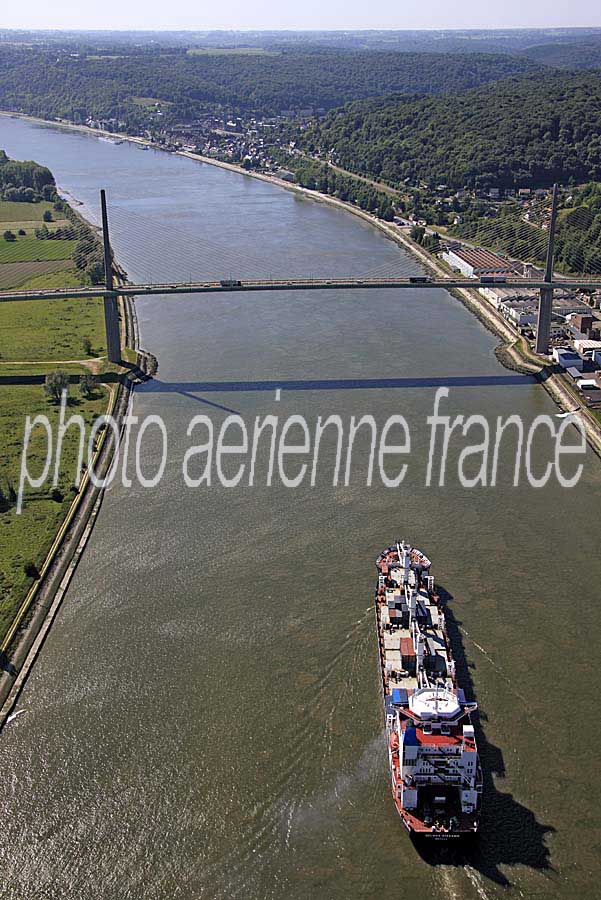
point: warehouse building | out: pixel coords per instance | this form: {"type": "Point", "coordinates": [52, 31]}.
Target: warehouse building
{"type": "Point", "coordinates": [474, 262]}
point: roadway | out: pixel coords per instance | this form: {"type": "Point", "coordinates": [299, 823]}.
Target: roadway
{"type": "Point", "coordinates": [308, 284]}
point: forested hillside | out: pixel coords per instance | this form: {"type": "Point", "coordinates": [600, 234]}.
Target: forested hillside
{"type": "Point", "coordinates": [52, 84]}
{"type": "Point", "coordinates": [527, 131]}
{"type": "Point", "coordinates": [577, 55]}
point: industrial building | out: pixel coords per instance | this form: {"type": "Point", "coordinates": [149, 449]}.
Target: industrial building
{"type": "Point", "coordinates": [498, 295]}
{"type": "Point", "coordinates": [583, 322]}
{"type": "Point", "coordinates": [587, 347]}
{"type": "Point", "coordinates": [476, 261]}
{"type": "Point", "coordinates": [520, 305]}
{"type": "Point", "coordinates": [568, 359]}
{"type": "Point", "coordinates": [520, 312]}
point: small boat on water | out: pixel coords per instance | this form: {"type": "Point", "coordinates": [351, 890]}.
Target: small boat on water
{"type": "Point", "coordinates": [436, 777]}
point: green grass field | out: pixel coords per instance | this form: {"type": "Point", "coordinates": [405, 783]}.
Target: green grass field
{"type": "Point", "coordinates": [58, 278]}
{"type": "Point", "coordinates": [29, 249]}
{"type": "Point", "coordinates": [23, 212]}
{"type": "Point", "coordinates": [232, 51]}
{"type": "Point", "coordinates": [150, 101]}
{"type": "Point", "coordinates": [17, 214]}
{"type": "Point", "coordinates": [28, 536]}
{"type": "Point", "coordinates": [42, 368]}
{"type": "Point", "coordinates": [51, 329]}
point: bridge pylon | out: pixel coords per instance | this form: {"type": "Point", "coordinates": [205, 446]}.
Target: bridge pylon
{"type": "Point", "coordinates": [111, 309]}
{"type": "Point", "coordinates": [545, 303]}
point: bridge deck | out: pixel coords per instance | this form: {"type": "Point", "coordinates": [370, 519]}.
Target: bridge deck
{"type": "Point", "coordinates": [309, 284]}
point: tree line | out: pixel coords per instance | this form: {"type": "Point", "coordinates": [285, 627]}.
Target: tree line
{"type": "Point", "coordinates": [25, 182]}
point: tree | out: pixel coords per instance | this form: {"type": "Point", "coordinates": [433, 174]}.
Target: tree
{"type": "Point", "coordinates": [22, 232]}
{"type": "Point", "coordinates": [10, 492]}
{"type": "Point", "coordinates": [8, 496]}
{"type": "Point", "coordinates": [95, 272]}
{"type": "Point", "coordinates": [30, 569]}
{"type": "Point", "coordinates": [87, 346]}
{"type": "Point", "coordinates": [20, 194]}
{"type": "Point", "coordinates": [431, 242]}
{"type": "Point", "coordinates": [47, 216]}
{"type": "Point", "coordinates": [86, 385]}
{"type": "Point", "coordinates": [9, 236]}
{"type": "Point", "coordinates": [55, 384]}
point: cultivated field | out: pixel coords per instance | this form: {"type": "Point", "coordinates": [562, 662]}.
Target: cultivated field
{"type": "Point", "coordinates": [30, 225]}
{"type": "Point", "coordinates": [16, 274]}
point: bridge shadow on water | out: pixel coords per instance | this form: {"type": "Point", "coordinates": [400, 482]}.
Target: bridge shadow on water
{"type": "Point", "coordinates": [510, 833]}
{"type": "Point", "coordinates": [155, 385]}
{"type": "Point", "coordinates": [193, 389]}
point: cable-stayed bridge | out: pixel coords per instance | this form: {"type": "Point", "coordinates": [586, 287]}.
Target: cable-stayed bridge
{"type": "Point", "coordinates": [215, 269]}
{"type": "Point", "coordinates": [229, 286]}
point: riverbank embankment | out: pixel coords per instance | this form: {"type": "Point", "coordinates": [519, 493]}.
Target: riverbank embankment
{"type": "Point", "coordinates": [34, 618]}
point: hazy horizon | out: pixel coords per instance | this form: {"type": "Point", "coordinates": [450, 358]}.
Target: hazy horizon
{"type": "Point", "coordinates": [267, 15]}
{"type": "Point", "coordinates": [230, 29]}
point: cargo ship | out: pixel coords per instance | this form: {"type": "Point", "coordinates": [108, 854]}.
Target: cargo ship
{"type": "Point", "coordinates": [436, 777]}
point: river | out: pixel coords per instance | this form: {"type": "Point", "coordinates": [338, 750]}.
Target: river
{"type": "Point", "coordinates": [204, 720]}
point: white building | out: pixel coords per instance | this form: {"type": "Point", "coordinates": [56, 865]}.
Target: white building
{"type": "Point", "coordinates": [520, 312]}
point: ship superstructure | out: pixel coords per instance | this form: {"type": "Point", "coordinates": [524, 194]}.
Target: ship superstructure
{"type": "Point", "coordinates": [436, 777]}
